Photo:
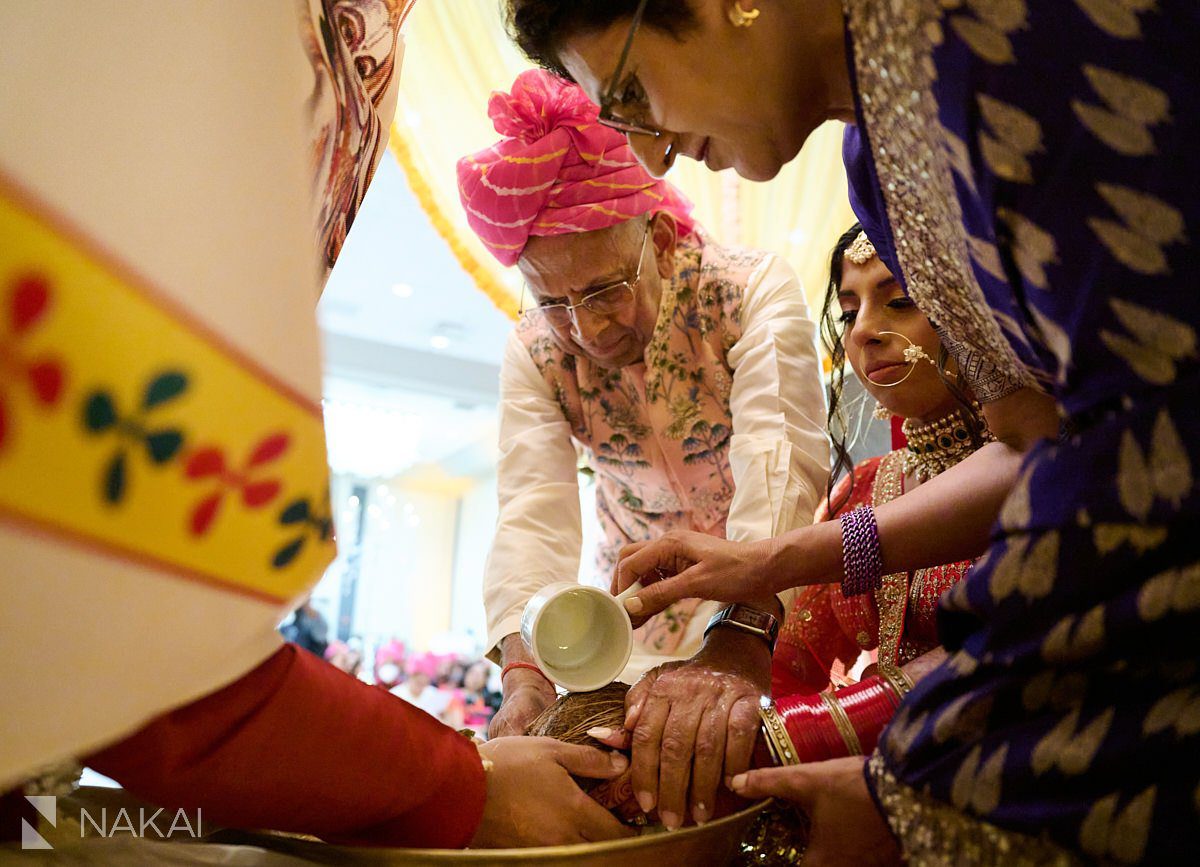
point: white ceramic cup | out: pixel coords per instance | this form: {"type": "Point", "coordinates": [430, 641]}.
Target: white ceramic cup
{"type": "Point", "coordinates": [580, 636]}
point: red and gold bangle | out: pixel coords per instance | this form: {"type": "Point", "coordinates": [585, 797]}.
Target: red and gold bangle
{"type": "Point", "coordinates": [504, 671]}
{"type": "Point", "coordinates": [834, 725]}
{"type": "Point", "coordinates": [841, 721]}
{"type": "Point", "coordinates": [810, 726]}
{"type": "Point", "coordinates": [868, 706]}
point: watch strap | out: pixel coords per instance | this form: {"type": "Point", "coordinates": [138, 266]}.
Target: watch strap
{"type": "Point", "coordinates": [747, 619]}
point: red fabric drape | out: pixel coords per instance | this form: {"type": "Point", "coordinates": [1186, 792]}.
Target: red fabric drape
{"type": "Point", "coordinates": [297, 745]}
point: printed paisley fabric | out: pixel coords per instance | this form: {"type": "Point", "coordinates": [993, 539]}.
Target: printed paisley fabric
{"type": "Point", "coordinates": [1062, 136]}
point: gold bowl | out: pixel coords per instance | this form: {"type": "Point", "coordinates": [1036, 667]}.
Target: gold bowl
{"type": "Point", "coordinates": [715, 843]}
{"type": "Point", "coordinates": [711, 844]}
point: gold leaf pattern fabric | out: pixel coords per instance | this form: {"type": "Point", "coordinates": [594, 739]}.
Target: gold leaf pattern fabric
{"type": "Point", "coordinates": [1119, 834]}
{"type": "Point", "coordinates": [1074, 637]}
{"type": "Point", "coordinates": [977, 787]}
{"type": "Point", "coordinates": [1149, 225]}
{"type": "Point", "coordinates": [932, 834]}
{"type": "Point", "coordinates": [958, 155]}
{"type": "Point", "coordinates": [1004, 15]}
{"type": "Point", "coordinates": [1014, 136]}
{"type": "Point", "coordinates": [1173, 590]}
{"type": "Point", "coordinates": [1133, 479]}
{"type": "Point", "coordinates": [1129, 97]}
{"type": "Point", "coordinates": [1152, 327]}
{"type": "Point", "coordinates": [1170, 467]}
{"type": "Point", "coordinates": [1147, 215]}
{"type": "Point", "coordinates": [986, 41]}
{"type": "Point", "coordinates": [987, 33]}
{"type": "Point", "coordinates": [1069, 747]}
{"type": "Point", "coordinates": [1110, 537]}
{"type": "Point", "coordinates": [1179, 710]}
{"type": "Point", "coordinates": [1033, 247]}
{"type": "Point", "coordinates": [1076, 194]}
{"type": "Point", "coordinates": [1132, 107]}
{"type": "Point", "coordinates": [1118, 18]}
{"type": "Point", "coordinates": [1158, 341]}
{"type": "Point", "coordinates": [964, 719]}
{"type": "Point", "coordinates": [1030, 573]}
{"type": "Point", "coordinates": [1018, 507]}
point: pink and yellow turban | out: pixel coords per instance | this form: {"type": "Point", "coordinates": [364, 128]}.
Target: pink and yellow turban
{"type": "Point", "coordinates": [556, 171]}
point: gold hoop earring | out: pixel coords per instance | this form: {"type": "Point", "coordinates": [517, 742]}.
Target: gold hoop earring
{"type": "Point", "coordinates": [738, 17]}
{"type": "Point", "coordinates": [912, 354]}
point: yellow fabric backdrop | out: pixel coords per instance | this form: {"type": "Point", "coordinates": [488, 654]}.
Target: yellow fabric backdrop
{"type": "Point", "coordinates": [457, 54]}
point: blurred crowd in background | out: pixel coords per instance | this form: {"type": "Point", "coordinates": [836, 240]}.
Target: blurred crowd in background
{"type": "Point", "coordinates": [461, 691]}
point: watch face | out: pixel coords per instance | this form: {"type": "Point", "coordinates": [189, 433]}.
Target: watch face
{"type": "Point", "coordinates": [753, 617]}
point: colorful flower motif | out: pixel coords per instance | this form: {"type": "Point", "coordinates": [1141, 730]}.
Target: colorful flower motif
{"type": "Point", "coordinates": [29, 299]}
{"type": "Point", "coordinates": [313, 523]}
{"type": "Point", "coordinates": [161, 444]}
{"type": "Point", "coordinates": [255, 492]}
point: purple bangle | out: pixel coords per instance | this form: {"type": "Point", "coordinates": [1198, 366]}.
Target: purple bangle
{"type": "Point", "coordinates": [860, 552]}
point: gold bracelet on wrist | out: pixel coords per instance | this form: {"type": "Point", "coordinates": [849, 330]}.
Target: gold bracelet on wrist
{"type": "Point", "coordinates": [898, 680]}
{"type": "Point", "coordinates": [842, 723]}
{"type": "Point", "coordinates": [775, 733]}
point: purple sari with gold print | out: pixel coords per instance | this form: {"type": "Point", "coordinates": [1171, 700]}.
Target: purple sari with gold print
{"type": "Point", "coordinates": [1031, 170]}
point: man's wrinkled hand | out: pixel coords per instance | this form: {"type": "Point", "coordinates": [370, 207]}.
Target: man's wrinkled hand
{"type": "Point", "coordinates": [526, 694]}
{"type": "Point", "coordinates": [692, 724]}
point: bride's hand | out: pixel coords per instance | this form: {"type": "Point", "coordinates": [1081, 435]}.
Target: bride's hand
{"type": "Point", "coordinates": [684, 564]}
{"type": "Point", "coordinates": [846, 826]}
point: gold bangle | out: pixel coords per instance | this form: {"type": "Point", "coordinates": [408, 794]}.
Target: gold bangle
{"type": "Point", "coordinates": [898, 680]}
{"type": "Point", "coordinates": [775, 733]}
{"type": "Point", "coordinates": [842, 723]}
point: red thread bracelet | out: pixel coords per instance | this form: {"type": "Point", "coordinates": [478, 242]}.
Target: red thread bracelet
{"type": "Point", "coordinates": [528, 665]}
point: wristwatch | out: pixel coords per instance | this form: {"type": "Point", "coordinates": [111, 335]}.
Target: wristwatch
{"type": "Point", "coordinates": [747, 619]}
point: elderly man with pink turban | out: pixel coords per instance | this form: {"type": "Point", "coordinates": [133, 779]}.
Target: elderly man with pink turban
{"type": "Point", "coordinates": [686, 374]}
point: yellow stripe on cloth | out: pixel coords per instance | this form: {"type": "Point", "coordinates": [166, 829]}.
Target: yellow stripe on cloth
{"type": "Point", "coordinates": [129, 429]}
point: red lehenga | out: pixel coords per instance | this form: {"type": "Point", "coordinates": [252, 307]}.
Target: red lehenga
{"type": "Point", "coordinates": [825, 632]}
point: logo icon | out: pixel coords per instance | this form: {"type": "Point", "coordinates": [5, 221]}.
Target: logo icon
{"type": "Point", "coordinates": [45, 805]}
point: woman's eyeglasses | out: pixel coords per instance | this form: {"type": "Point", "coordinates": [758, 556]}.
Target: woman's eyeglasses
{"type": "Point", "coordinates": [607, 116]}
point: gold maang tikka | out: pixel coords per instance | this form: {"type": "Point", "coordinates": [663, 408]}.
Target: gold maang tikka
{"type": "Point", "coordinates": [861, 250]}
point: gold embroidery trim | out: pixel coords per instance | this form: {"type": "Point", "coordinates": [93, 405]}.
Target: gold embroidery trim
{"type": "Point", "coordinates": [892, 596]}
{"type": "Point", "coordinates": [894, 67]}
{"type": "Point", "coordinates": [934, 834]}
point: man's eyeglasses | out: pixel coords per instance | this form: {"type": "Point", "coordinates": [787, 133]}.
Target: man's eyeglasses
{"type": "Point", "coordinates": [607, 116]}
{"type": "Point", "coordinates": [607, 301]}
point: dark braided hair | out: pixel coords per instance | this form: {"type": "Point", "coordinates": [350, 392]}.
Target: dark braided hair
{"type": "Point", "coordinates": [540, 27]}
{"type": "Point", "coordinates": [832, 334]}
